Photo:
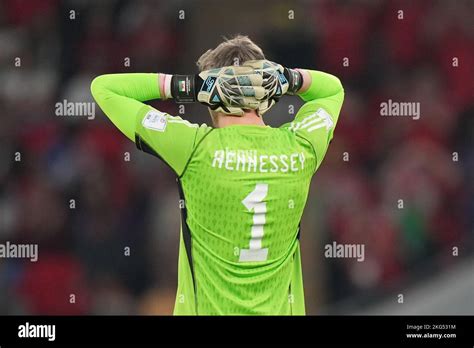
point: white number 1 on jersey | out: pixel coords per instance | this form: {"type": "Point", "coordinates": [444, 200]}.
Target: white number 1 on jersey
{"type": "Point", "coordinates": [254, 202]}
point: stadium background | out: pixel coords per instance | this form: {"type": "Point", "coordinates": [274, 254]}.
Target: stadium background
{"type": "Point", "coordinates": [134, 203]}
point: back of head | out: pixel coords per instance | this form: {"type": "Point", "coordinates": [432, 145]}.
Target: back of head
{"type": "Point", "coordinates": [234, 51]}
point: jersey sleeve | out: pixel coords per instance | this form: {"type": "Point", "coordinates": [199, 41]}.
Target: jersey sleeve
{"type": "Point", "coordinates": [170, 138]}
{"type": "Point", "coordinates": [317, 118]}
{"type": "Point", "coordinates": [121, 97]}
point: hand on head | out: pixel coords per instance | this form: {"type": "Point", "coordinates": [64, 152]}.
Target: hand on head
{"type": "Point", "coordinates": [256, 85]}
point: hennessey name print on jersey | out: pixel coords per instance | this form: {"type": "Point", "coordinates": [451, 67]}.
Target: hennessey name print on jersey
{"type": "Point", "coordinates": [253, 161]}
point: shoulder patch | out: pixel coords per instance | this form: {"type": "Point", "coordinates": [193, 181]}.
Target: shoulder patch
{"type": "Point", "coordinates": [327, 119]}
{"type": "Point", "coordinates": [155, 120]}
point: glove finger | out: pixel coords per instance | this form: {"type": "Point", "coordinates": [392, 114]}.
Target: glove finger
{"type": "Point", "coordinates": [252, 79]}
{"type": "Point", "coordinates": [255, 64]}
{"type": "Point", "coordinates": [226, 72]}
{"type": "Point", "coordinates": [259, 93]}
{"type": "Point", "coordinates": [234, 111]}
{"type": "Point", "coordinates": [238, 70]}
{"type": "Point", "coordinates": [263, 64]}
{"type": "Point", "coordinates": [245, 102]}
{"type": "Point", "coordinates": [256, 92]}
{"type": "Point", "coordinates": [266, 105]}
{"type": "Point", "coordinates": [250, 103]}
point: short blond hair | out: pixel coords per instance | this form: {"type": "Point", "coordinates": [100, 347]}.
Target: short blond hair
{"type": "Point", "coordinates": [234, 51]}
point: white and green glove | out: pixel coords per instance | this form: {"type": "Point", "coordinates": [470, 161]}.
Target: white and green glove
{"type": "Point", "coordinates": [256, 85]}
{"type": "Point", "coordinates": [230, 89]}
{"type": "Point", "coordinates": [277, 81]}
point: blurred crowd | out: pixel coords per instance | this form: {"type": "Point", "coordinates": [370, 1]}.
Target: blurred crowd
{"type": "Point", "coordinates": [105, 216]}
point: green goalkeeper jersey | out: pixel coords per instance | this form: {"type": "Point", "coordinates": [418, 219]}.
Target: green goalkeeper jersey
{"type": "Point", "coordinates": [243, 189]}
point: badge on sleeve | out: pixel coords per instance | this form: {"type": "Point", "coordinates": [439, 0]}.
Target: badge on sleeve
{"type": "Point", "coordinates": [155, 120]}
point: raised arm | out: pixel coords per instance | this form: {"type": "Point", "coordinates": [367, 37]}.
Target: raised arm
{"type": "Point", "coordinates": [121, 97]}
{"type": "Point", "coordinates": [317, 118]}
{"type": "Point", "coordinates": [227, 89]}
{"type": "Point", "coordinates": [327, 88]}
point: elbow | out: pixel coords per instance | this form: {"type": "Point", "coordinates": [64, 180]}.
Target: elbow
{"type": "Point", "coordinates": [98, 85]}
{"type": "Point", "coordinates": [338, 85]}
{"type": "Point", "coordinates": [341, 91]}
{"type": "Point", "coordinates": [333, 85]}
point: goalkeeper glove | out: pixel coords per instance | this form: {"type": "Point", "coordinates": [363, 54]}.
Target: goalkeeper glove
{"type": "Point", "coordinates": [229, 89]}
{"type": "Point", "coordinates": [277, 81]}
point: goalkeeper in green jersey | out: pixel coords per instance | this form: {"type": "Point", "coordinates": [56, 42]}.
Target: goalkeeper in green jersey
{"type": "Point", "coordinates": [243, 184]}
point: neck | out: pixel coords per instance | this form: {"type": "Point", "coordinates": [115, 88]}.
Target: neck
{"type": "Point", "coordinates": [250, 118]}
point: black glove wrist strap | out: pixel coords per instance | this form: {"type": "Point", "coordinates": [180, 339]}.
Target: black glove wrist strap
{"type": "Point", "coordinates": [184, 88]}
{"type": "Point", "coordinates": [295, 80]}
